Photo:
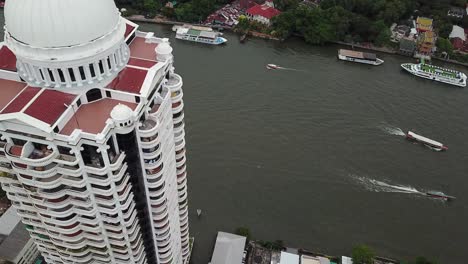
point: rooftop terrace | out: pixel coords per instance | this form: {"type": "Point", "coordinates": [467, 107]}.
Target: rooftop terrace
{"type": "Point", "coordinates": [91, 118]}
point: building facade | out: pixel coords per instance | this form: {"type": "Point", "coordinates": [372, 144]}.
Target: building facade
{"type": "Point", "coordinates": [92, 136]}
{"type": "Point", "coordinates": [16, 246]}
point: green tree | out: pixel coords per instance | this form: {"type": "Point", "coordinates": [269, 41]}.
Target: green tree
{"type": "Point", "coordinates": [362, 254]}
{"type": "Point", "coordinates": [444, 45]}
{"type": "Point", "coordinates": [244, 24]}
{"type": "Point", "coordinates": [151, 6]}
{"type": "Point", "coordinates": [244, 231]}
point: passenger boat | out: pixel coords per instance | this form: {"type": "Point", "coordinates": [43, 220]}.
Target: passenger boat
{"type": "Point", "coordinates": [199, 34]}
{"type": "Point", "coordinates": [426, 141]}
{"type": "Point", "coordinates": [440, 195]}
{"type": "Point", "coordinates": [360, 57]}
{"type": "Point", "coordinates": [436, 73]}
{"type": "Point", "coordinates": [272, 67]}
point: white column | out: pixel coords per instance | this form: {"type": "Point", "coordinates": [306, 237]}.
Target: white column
{"type": "Point", "coordinates": [78, 76]}
{"type": "Point", "coordinates": [66, 74]}
{"type": "Point", "coordinates": [56, 77]}
{"type": "Point", "coordinates": [45, 72]}
{"type": "Point", "coordinates": [107, 71]}
{"type": "Point", "coordinates": [97, 71]}
{"type": "Point", "coordinates": [113, 63]}
{"type": "Point", "coordinates": [37, 75]}
{"type": "Point", "coordinates": [28, 72]}
{"type": "Point", "coordinates": [21, 68]}
{"type": "Point", "coordinates": [118, 56]}
{"type": "Point", "coordinates": [88, 74]}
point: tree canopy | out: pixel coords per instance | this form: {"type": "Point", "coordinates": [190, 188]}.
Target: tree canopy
{"type": "Point", "coordinates": [362, 254]}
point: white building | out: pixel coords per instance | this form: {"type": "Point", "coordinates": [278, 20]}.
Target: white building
{"type": "Point", "coordinates": [92, 134]}
{"type": "Point", "coordinates": [16, 246]}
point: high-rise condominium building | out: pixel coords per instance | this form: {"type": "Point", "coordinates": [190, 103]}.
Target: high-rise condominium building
{"type": "Point", "coordinates": [92, 144]}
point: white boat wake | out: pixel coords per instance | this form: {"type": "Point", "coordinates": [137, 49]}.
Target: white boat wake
{"type": "Point", "coordinates": [380, 186]}
{"type": "Point", "coordinates": [391, 130]}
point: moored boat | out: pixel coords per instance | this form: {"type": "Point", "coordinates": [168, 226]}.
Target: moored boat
{"type": "Point", "coordinates": [426, 141]}
{"type": "Point", "coordinates": [360, 57]}
{"type": "Point", "coordinates": [436, 73]}
{"type": "Point", "coordinates": [199, 34]}
{"type": "Point", "coordinates": [440, 195]}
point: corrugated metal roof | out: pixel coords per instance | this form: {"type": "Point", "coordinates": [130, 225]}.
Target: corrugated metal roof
{"type": "Point", "coordinates": [229, 249]}
{"type": "Point", "coordinates": [8, 221]}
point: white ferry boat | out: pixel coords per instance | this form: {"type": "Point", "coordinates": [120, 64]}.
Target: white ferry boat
{"type": "Point", "coordinates": [199, 34]}
{"type": "Point", "coordinates": [436, 73]}
{"type": "Point", "coordinates": [360, 57]}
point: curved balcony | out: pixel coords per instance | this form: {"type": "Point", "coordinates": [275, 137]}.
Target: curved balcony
{"type": "Point", "coordinates": [180, 162]}
{"type": "Point", "coordinates": [117, 161]}
{"type": "Point", "coordinates": [167, 260]}
{"type": "Point", "coordinates": [148, 128]}
{"type": "Point", "coordinates": [181, 178]}
{"type": "Point", "coordinates": [180, 153]}
{"type": "Point", "coordinates": [177, 107]}
{"type": "Point", "coordinates": [178, 118]}
{"type": "Point", "coordinates": [150, 142]}
{"type": "Point", "coordinates": [158, 200]}
{"type": "Point", "coordinates": [166, 255]}
{"type": "Point", "coordinates": [70, 170]}
{"type": "Point", "coordinates": [155, 180]}
{"type": "Point", "coordinates": [152, 155]}
{"type": "Point", "coordinates": [164, 235]}
{"type": "Point", "coordinates": [159, 216]}
{"type": "Point", "coordinates": [153, 163]}
{"type": "Point", "coordinates": [30, 155]}
{"type": "Point", "coordinates": [180, 145]}
{"type": "Point", "coordinates": [161, 223]}
{"type": "Point", "coordinates": [157, 192]}
{"type": "Point", "coordinates": [184, 220]}
{"type": "Point", "coordinates": [174, 82]}
{"type": "Point", "coordinates": [66, 159]}
{"type": "Point", "coordinates": [62, 191]}
{"type": "Point", "coordinates": [177, 96]}
{"type": "Point", "coordinates": [182, 197]}
{"type": "Point", "coordinates": [179, 136]}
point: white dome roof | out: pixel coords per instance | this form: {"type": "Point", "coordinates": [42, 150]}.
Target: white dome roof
{"type": "Point", "coordinates": [59, 23]}
{"type": "Point", "coordinates": [121, 112]}
{"type": "Point", "coordinates": [164, 48]}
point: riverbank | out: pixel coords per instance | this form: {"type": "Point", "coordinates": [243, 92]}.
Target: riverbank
{"type": "Point", "coordinates": [164, 21]}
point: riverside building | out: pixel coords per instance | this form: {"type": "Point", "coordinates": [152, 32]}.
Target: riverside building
{"type": "Point", "coordinates": [92, 139]}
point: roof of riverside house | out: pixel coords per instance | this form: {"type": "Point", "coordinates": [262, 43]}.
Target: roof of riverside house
{"type": "Point", "coordinates": [264, 11]}
{"type": "Point", "coordinates": [424, 23]}
{"type": "Point", "coordinates": [458, 32]}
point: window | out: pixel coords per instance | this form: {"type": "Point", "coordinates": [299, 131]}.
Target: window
{"type": "Point", "coordinates": [91, 68]}
{"type": "Point", "coordinates": [93, 95]}
{"type": "Point", "coordinates": [72, 74]}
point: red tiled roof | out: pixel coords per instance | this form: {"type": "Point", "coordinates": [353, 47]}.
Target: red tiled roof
{"type": "Point", "coordinates": [128, 29]}
{"type": "Point", "coordinates": [49, 106]}
{"type": "Point", "coordinates": [141, 63]}
{"type": "Point", "coordinates": [21, 100]}
{"type": "Point", "coordinates": [264, 11]}
{"type": "Point", "coordinates": [457, 43]}
{"type": "Point", "coordinates": [140, 49]}
{"type": "Point", "coordinates": [129, 80]}
{"type": "Point", "coordinates": [9, 90]}
{"type": "Point", "coordinates": [7, 59]}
